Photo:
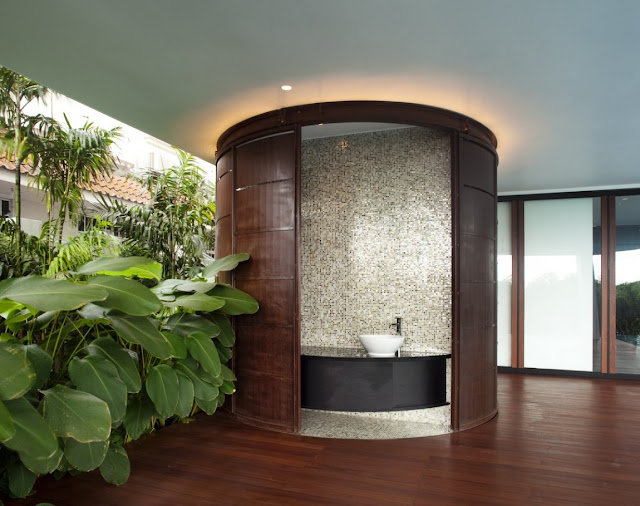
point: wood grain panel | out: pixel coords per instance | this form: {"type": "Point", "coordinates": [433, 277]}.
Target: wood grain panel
{"type": "Point", "coordinates": [476, 367]}
{"type": "Point", "coordinates": [224, 238]}
{"type": "Point", "coordinates": [266, 159]}
{"type": "Point", "coordinates": [224, 164]}
{"type": "Point", "coordinates": [473, 310]}
{"type": "Point", "coordinates": [479, 166]}
{"type": "Point", "coordinates": [265, 207]}
{"type": "Point", "coordinates": [267, 260]}
{"type": "Point", "coordinates": [256, 347]}
{"type": "Point", "coordinates": [477, 212]}
{"type": "Point", "coordinates": [265, 398]}
{"type": "Point", "coordinates": [277, 302]}
{"type": "Point", "coordinates": [477, 259]}
{"type": "Point", "coordinates": [265, 355]}
{"type": "Point", "coordinates": [224, 195]}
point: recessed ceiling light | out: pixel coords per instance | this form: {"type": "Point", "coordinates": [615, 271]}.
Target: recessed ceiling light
{"type": "Point", "coordinates": [286, 87]}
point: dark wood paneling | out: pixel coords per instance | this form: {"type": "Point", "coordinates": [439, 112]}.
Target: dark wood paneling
{"type": "Point", "coordinates": [276, 298]}
{"type": "Point", "coordinates": [265, 358]}
{"type": "Point", "coordinates": [265, 207]}
{"type": "Point", "coordinates": [479, 167]}
{"type": "Point", "coordinates": [224, 164]}
{"type": "Point", "coordinates": [224, 244]}
{"type": "Point", "coordinates": [256, 347]}
{"type": "Point", "coordinates": [339, 112]}
{"type": "Point", "coordinates": [477, 258]}
{"type": "Point", "coordinates": [477, 212]}
{"type": "Point", "coordinates": [473, 310]}
{"type": "Point", "coordinates": [475, 375]}
{"type": "Point", "coordinates": [267, 260]}
{"type": "Point", "coordinates": [264, 398]}
{"type": "Point", "coordinates": [224, 195]}
{"type": "Point", "coordinates": [265, 160]}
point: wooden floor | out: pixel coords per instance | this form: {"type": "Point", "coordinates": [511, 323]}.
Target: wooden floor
{"type": "Point", "coordinates": [555, 441]}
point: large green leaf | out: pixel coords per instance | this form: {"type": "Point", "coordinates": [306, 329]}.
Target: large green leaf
{"type": "Point", "coordinates": [126, 295]}
{"type": "Point", "coordinates": [17, 375]}
{"type": "Point", "coordinates": [99, 376]}
{"type": "Point", "coordinates": [33, 435]}
{"type": "Point", "coordinates": [224, 352]}
{"type": "Point", "coordinates": [209, 407]}
{"type": "Point", "coordinates": [227, 374]}
{"type": "Point", "coordinates": [184, 324]}
{"type": "Point", "coordinates": [7, 428]}
{"type": "Point", "coordinates": [21, 480]}
{"type": "Point", "coordinates": [123, 266]}
{"type": "Point", "coordinates": [85, 456]}
{"type": "Point", "coordinates": [140, 330]}
{"type": "Point", "coordinates": [78, 415]}
{"type": "Point", "coordinates": [185, 396]}
{"type": "Point", "coordinates": [171, 286]}
{"type": "Point", "coordinates": [205, 353]}
{"type": "Point", "coordinates": [227, 336]}
{"type": "Point", "coordinates": [138, 416]}
{"type": "Point", "coordinates": [228, 387]}
{"type": "Point", "coordinates": [124, 363]}
{"type": "Point", "coordinates": [224, 264]}
{"type": "Point", "coordinates": [7, 306]}
{"type": "Point", "coordinates": [236, 301]}
{"type": "Point", "coordinates": [42, 465]}
{"type": "Point", "coordinates": [197, 302]}
{"type": "Point", "coordinates": [202, 388]}
{"type": "Point", "coordinates": [116, 466]}
{"type": "Point", "coordinates": [41, 362]}
{"type": "Point", "coordinates": [177, 344]}
{"type": "Point", "coordinates": [163, 388]}
{"type": "Point", "coordinates": [47, 294]}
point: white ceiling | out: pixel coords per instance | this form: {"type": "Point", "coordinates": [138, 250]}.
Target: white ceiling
{"type": "Point", "coordinates": [556, 80]}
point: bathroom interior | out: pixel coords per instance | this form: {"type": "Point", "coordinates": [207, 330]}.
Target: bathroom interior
{"type": "Point", "coordinates": [376, 246]}
{"type": "Point", "coordinates": [359, 221]}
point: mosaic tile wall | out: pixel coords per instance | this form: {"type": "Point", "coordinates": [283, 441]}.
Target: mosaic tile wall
{"type": "Point", "coordinates": [376, 238]}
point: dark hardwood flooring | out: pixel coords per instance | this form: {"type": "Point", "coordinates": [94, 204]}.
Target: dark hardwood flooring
{"type": "Point", "coordinates": [555, 441]}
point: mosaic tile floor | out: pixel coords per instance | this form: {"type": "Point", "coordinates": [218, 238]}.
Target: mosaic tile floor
{"type": "Point", "coordinates": [351, 426]}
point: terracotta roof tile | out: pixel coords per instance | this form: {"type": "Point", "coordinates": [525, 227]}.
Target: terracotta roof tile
{"type": "Point", "coordinates": [115, 186]}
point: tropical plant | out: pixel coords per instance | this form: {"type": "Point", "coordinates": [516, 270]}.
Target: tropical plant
{"type": "Point", "coordinates": [91, 362]}
{"type": "Point", "coordinates": [177, 225]}
{"type": "Point", "coordinates": [20, 133]}
{"type": "Point", "coordinates": [70, 161]}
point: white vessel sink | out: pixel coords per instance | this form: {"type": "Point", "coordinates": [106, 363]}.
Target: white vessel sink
{"type": "Point", "coordinates": [381, 345]}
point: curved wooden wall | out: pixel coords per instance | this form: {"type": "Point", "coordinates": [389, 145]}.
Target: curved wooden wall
{"type": "Point", "coordinates": [258, 205]}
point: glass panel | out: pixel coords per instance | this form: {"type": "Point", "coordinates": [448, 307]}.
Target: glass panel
{"type": "Point", "coordinates": [597, 285]}
{"type": "Point", "coordinates": [504, 284]}
{"type": "Point", "coordinates": [628, 284]}
{"type": "Point", "coordinates": [558, 272]}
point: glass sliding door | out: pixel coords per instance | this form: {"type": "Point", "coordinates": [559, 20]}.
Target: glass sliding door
{"type": "Point", "coordinates": [558, 284]}
{"type": "Point", "coordinates": [504, 284]}
{"type": "Point", "coordinates": [627, 279]}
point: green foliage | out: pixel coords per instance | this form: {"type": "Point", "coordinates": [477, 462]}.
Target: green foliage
{"type": "Point", "coordinates": [21, 136]}
{"type": "Point", "coordinates": [105, 356]}
{"type": "Point", "coordinates": [177, 226]}
{"type": "Point", "coordinates": [628, 309]}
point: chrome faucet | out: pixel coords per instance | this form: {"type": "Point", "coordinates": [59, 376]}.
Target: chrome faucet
{"type": "Point", "coordinates": [398, 325]}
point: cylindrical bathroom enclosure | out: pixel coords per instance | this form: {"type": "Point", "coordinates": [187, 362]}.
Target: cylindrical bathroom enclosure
{"type": "Point", "coordinates": [259, 196]}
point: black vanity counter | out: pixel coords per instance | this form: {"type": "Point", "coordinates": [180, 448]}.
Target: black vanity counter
{"type": "Point", "coordinates": [327, 351]}
{"type": "Point", "coordinates": [346, 379]}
